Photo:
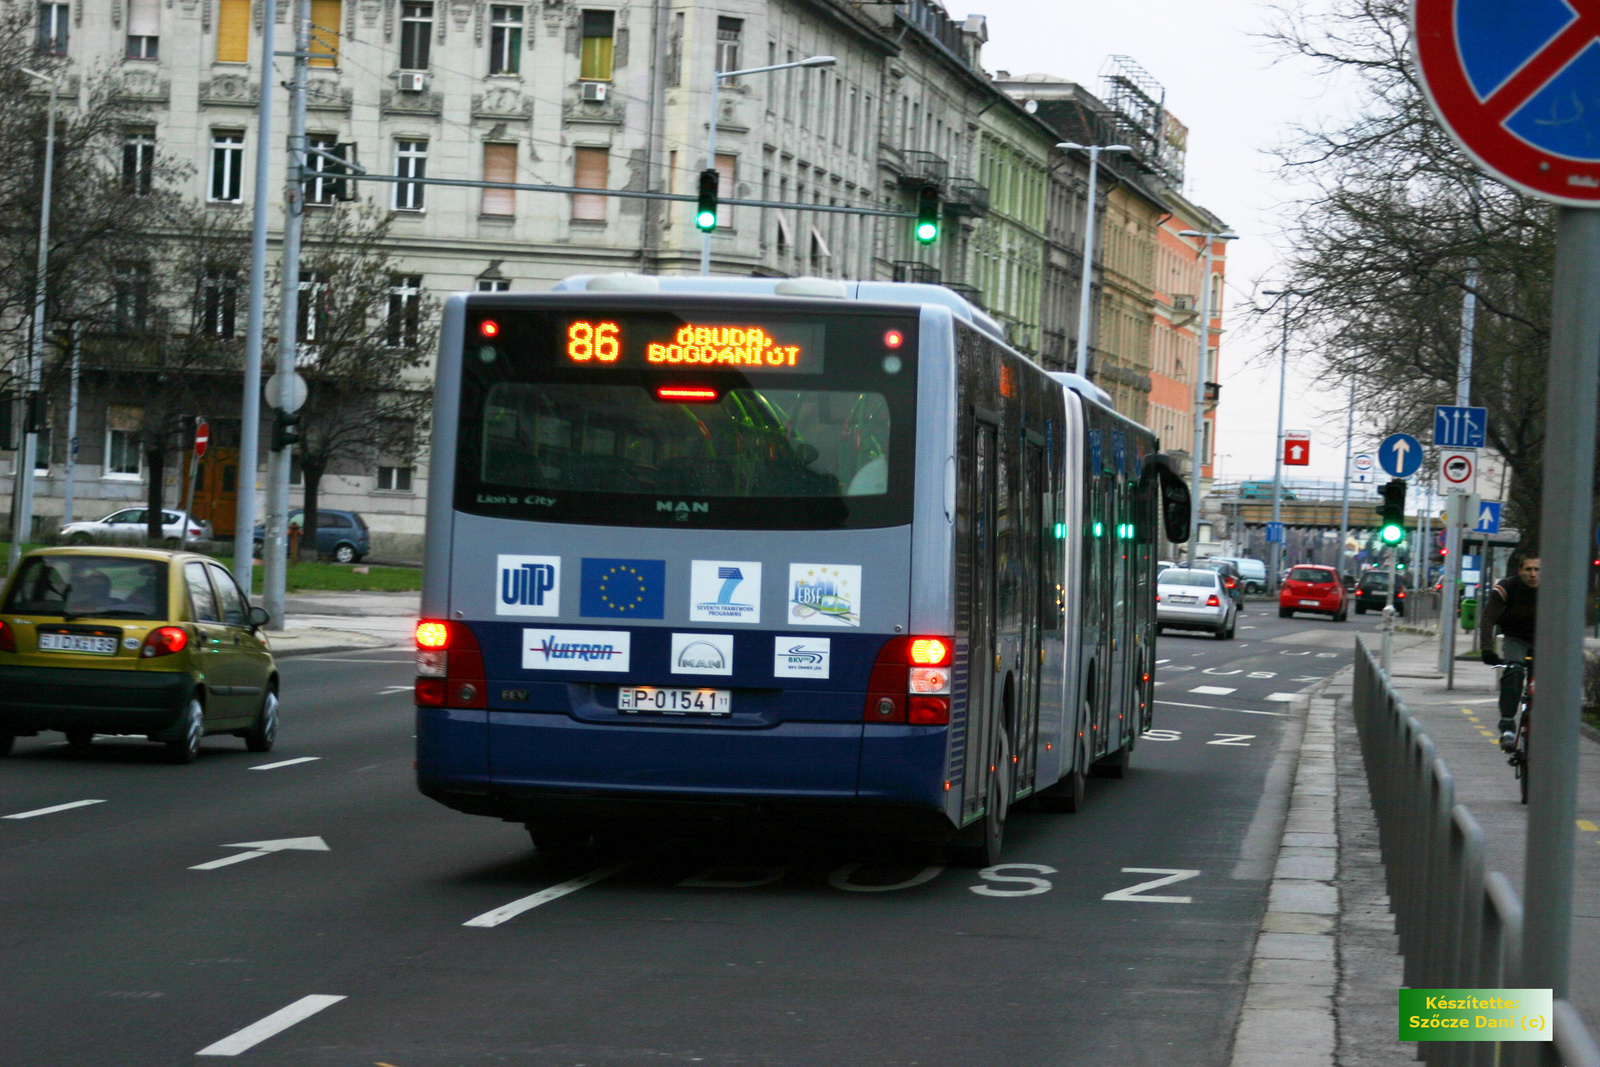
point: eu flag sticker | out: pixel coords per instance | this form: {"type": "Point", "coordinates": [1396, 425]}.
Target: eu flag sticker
{"type": "Point", "coordinates": [623, 588]}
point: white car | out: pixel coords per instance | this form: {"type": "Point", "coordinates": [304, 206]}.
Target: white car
{"type": "Point", "coordinates": [128, 525]}
{"type": "Point", "coordinates": [1195, 599]}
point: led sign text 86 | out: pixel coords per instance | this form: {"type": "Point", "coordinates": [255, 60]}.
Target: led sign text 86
{"type": "Point", "coordinates": [731, 345]}
{"type": "Point", "coordinates": [589, 340]}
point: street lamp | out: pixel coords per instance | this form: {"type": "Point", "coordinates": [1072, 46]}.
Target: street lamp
{"type": "Point", "coordinates": [1275, 548]}
{"type": "Point", "coordinates": [30, 440]}
{"type": "Point", "coordinates": [711, 140]}
{"type": "Point", "coordinates": [1204, 332]}
{"type": "Point", "coordinates": [1094, 150]}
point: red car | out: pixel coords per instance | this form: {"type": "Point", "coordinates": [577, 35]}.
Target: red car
{"type": "Point", "coordinates": [1314, 589]}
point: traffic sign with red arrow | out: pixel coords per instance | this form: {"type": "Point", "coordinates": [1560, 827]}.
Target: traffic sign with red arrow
{"type": "Point", "coordinates": [1297, 451]}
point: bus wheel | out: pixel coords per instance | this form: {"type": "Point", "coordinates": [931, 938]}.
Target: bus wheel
{"type": "Point", "coordinates": [560, 842]}
{"type": "Point", "coordinates": [979, 845]}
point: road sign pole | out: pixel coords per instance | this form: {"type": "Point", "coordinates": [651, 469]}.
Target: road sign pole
{"type": "Point", "coordinates": [1571, 394]}
{"type": "Point", "coordinates": [1344, 506]}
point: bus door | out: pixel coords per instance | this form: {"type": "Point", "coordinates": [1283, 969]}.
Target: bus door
{"type": "Point", "coordinates": [981, 643]}
{"type": "Point", "coordinates": [1034, 545]}
{"type": "Point", "coordinates": [1122, 650]}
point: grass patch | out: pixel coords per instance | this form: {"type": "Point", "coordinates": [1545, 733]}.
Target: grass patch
{"type": "Point", "coordinates": [317, 577]}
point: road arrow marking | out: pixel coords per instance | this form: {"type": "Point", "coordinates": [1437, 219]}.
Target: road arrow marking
{"type": "Point", "coordinates": [264, 848]}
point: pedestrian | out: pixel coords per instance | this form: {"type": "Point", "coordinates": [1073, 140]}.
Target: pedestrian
{"type": "Point", "coordinates": [1510, 608]}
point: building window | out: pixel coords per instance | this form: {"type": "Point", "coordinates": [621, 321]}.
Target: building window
{"type": "Point", "coordinates": [53, 28]}
{"type": "Point", "coordinates": [494, 285]}
{"type": "Point", "coordinates": [505, 39]}
{"type": "Point", "coordinates": [138, 161]}
{"type": "Point", "coordinates": [227, 166]}
{"type": "Point", "coordinates": [589, 168]}
{"type": "Point", "coordinates": [233, 31]}
{"type": "Point", "coordinates": [729, 31]}
{"type": "Point", "coordinates": [416, 34]}
{"type": "Point", "coordinates": [405, 306]}
{"type": "Point", "coordinates": [326, 18]}
{"type": "Point", "coordinates": [411, 161]}
{"type": "Point", "coordinates": [394, 479]}
{"type": "Point", "coordinates": [311, 322]}
{"type": "Point", "coordinates": [500, 165]}
{"type": "Point", "coordinates": [726, 170]}
{"type": "Point", "coordinates": [130, 297]}
{"type": "Point", "coordinates": [324, 185]}
{"type": "Point", "coordinates": [675, 52]}
{"type": "Point", "coordinates": [598, 30]}
{"type": "Point", "coordinates": [219, 301]}
{"type": "Point", "coordinates": [144, 29]}
{"type": "Point", "coordinates": [123, 455]}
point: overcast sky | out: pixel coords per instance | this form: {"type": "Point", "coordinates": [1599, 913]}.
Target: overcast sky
{"type": "Point", "coordinates": [1238, 96]}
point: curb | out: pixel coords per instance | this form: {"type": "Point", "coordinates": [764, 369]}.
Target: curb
{"type": "Point", "coordinates": [290, 653]}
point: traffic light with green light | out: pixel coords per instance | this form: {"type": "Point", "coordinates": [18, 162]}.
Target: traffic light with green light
{"type": "Point", "coordinates": [927, 229]}
{"type": "Point", "coordinates": [705, 211]}
{"type": "Point", "coordinates": [1392, 512]}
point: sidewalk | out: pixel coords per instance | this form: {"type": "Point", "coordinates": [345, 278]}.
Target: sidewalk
{"type": "Point", "coordinates": [343, 622]}
{"type": "Point", "coordinates": [1326, 970]}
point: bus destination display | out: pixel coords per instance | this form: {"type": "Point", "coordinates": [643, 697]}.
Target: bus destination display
{"type": "Point", "coordinates": [795, 347]}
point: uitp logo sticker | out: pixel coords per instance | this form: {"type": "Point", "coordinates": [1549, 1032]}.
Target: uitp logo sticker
{"type": "Point", "coordinates": [801, 657]}
{"type": "Point", "coordinates": [724, 591]}
{"type": "Point", "coordinates": [528, 585]}
{"type": "Point", "coordinates": [824, 595]}
{"type": "Point", "coordinates": [702, 653]}
{"type": "Point", "coordinates": [575, 650]}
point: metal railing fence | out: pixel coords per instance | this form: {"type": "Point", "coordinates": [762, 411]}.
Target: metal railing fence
{"type": "Point", "coordinates": [1459, 925]}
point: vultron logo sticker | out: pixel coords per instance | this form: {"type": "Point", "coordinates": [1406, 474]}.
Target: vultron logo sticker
{"type": "Point", "coordinates": [575, 650]}
{"type": "Point", "coordinates": [800, 657]}
{"type": "Point", "coordinates": [528, 585]}
{"type": "Point", "coordinates": [724, 591]}
{"type": "Point", "coordinates": [702, 653]}
{"type": "Point", "coordinates": [824, 595]}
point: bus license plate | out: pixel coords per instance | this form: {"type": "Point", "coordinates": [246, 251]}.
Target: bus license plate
{"type": "Point", "coordinates": [100, 646]}
{"type": "Point", "coordinates": [675, 701]}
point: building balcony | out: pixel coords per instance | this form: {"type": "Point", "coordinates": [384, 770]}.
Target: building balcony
{"type": "Point", "coordinates": [972, 294]}
{"type": "Point", "coordinates": [920, 167]}
{"type": "Point", "coordinates": [906, 270]}
{"type": "Point", "coordinates": [964, 196]}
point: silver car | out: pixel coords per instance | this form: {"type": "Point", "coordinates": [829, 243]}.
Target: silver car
{"type": "Point", "coordinates": [128, 526]}
{"type": "Point", "coordinates": [1195, 600]}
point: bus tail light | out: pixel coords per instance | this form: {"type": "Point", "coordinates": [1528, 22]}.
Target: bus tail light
{"type": "Point", "coordinates": [449, 667]}
{"type": "Point", "coordinates": [929, 711]}
{"type": "Point", "coordinates": [911, 682]}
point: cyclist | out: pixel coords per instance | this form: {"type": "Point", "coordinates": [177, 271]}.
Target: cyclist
{"type": "Point", "coordinates": [1510, 608]}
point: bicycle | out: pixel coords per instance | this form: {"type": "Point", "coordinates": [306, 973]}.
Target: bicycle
{"type": "Point", "coordinates": [1517, 757]}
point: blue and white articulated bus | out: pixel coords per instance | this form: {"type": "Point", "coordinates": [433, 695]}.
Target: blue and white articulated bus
{"type": "Point", "coordinates": [812, 552]}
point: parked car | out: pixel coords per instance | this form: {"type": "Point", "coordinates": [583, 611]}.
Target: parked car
{"type": "Point", "coordinates": [1263, 491]}
{"type": "Point", "coordinates": [1230, 575]}
{"type": "Point", "coordinates": [1372, 593]}
{"type": "Point", "coordinates": [1313, 589]}
{"type": "Point", "coordinates": [1195, 599]}
{"type": "Point", "coordinates": [1253, 571]}
{"type": "Point", "coordinates": [133, 641]}
{"type": "Point", "coordinates": [128, 525]}
{"type": "Point", "coordinates": [341, 535]}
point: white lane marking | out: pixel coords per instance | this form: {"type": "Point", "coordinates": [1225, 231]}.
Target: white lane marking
{"type": "Point", "coordinates": [1220, 671]}
{"type": "Point", "coordinates": [1159, 662]}
{"type": "Point", "coordinates": [1135, 892]}
{"type": "Point", "coordinates": [1240, 740]}
{"type": "Point", "coordinates": [1158, 683]}
{"type": "Point", "coordinates": [1213, 707]}
{"type": "Point", "coordinates": [1282, 698]}
{"type": "Point", "coordinates": [545, 896]}
{"type": "Point", "coordinates": [1213, 690]}
{"type": "Point", "coordinates": [1161, 735]}
{"type": "Point", "coordinates": [264, 848]}
{"type": "Point", "coordinates": [840, 879]}
{"type": "Point", "coordinates": [284, 763]}
{"type": "Point", "coordinates": [386, 690]}
{"type": "Point", "coordinates": [273, 1024]}
{"type": "Point", "coordinates": [1249, 627]}
{"type": "Point", "coordinates": [53, 809]}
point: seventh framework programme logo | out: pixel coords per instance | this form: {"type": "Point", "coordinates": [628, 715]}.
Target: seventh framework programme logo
{"type": "Point", "coordinates": [724, 591]}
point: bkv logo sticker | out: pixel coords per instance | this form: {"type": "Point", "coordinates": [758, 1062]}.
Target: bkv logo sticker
{"type": "Point", "coordinates": [824, 595]}
{"type": "Point", "coordinates": [529, 585]}
{"type": "Point", "coordinates": [724, 591]}
{"type": "Point", "coordinates": [800, 657]}
{"type": "Point", "coordinates": [575, 650]}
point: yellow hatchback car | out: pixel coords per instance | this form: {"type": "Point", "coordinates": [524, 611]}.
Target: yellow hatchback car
{"type": "Point", "coordinates": [133, 641]}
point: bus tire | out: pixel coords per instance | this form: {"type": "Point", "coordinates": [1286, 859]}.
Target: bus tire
{"type": "Point", "coordinates": [560, 842]}
{"type": "Point", "coordinates": [980, 845]}
{"type": "Point", "coordinates": [1065, 796]}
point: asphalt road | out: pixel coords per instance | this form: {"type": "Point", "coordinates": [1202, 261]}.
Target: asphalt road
{"type": "Point", "coordinates": [381, 934]}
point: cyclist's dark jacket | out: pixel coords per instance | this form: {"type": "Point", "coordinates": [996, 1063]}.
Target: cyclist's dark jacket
{"type": "Point", "coordinates": [1511, 607]}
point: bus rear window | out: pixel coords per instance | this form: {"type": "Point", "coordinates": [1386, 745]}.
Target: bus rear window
{"type": "Point", "coordinates": [794, 424]}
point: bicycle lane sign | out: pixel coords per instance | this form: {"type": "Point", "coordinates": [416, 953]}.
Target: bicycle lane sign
{"type": "Point", "coordinates": [1513, 82]}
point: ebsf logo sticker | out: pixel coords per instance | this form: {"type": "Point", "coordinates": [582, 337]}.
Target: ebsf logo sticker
{"type": "Point", "coordinates": [702, 653]}
{"type": "Point", "coordinates": [529, 585]}
{"type": "Point", "coordinates": [724, 591]}
{"type": "Point", "coordinates": [824, 595]}
{"type": "Point", "coordinates": [575, 650]}
{"type": "Point", "coordinates": [801, 657]}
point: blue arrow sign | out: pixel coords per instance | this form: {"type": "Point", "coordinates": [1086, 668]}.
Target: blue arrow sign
{"type": "Point", "coordinates": [1488, 518]}
{"type": "Point", "coordinates": [1400, 455]}
{"type": "Point", "coordinates": [1274, 533]}
{"type": "Point", "coordinates": [1460, 427]}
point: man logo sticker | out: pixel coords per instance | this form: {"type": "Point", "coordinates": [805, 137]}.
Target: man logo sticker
{"type": "Point", "coordinates": [702, 653]}
{"type": "Point", "coordinates": [824, 595]}
{"type": "Point", "coordinates": [724, 591]}
{"type": "Point", "coordinates": [529, 585]}
{"type": "Point", "coordinates": [800, 657]}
